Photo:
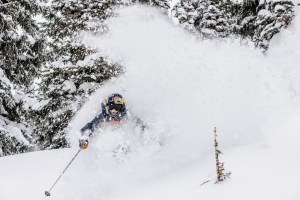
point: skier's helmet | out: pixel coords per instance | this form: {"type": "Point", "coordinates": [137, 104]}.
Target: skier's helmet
{"type": "Point", "coordinates": [115, 103]}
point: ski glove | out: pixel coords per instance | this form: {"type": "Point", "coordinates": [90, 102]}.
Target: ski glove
{"type": "Point", "coordinates": [83, 144]}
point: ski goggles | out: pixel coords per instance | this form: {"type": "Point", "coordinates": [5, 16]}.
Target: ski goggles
{"type": "Point", "coordinates": [116, 107]}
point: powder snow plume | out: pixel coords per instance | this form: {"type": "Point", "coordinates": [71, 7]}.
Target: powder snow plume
{"type": "Point", "coordinates": [182, 88]}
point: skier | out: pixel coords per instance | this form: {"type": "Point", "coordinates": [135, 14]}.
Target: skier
{"type": "Point", "coordinates": [113, 113]}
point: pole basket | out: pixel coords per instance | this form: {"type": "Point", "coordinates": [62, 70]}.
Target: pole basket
{"type": "Point", "coordinates": [47, 193]}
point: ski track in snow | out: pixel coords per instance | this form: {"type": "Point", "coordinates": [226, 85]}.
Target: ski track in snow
{"type": "Point", "coordinates": [182, 88]}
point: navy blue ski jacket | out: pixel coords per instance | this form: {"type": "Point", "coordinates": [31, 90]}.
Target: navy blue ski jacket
{"type": "Point", "coordinates": [104, 116]}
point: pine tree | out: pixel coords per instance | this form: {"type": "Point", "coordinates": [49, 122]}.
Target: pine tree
{"type": "Point", "coordinates": [21, 56]}
{"type": "Point", "coordinates": [73, 70]}
{"type": "Point", "coordinates": [15, 135]}
{"type": "Point", "coordinates": [9, 112]}
{"type": "Point", "coordinates": [203, 17]}
{"type": "Point", "coordinates": [261, 20]}
{"type": "Point", "coordinates": [65, 21]}
{"type": "Point", "coordinates": [164, 4]}
{"type": "Point", "coordinates": [186, 14]}
{"type": "Point", "coordinates": [256, 20]}
{"type": "Point", "coordinates": [271, 18]}
{"type": "Point", "coordinates": [211, 21]}
{"type": "Point", "coordinates": [21, 45]}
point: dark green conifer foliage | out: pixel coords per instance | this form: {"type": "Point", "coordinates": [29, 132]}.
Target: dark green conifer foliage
{"type": "Point", "coordinates": [10, 145]}
{"type": "Point", "coordinates": [203, 17]}
{"type": "Point", "coordinates": [257, 20]}
{"type": "Point", "coordinates": [73, 69]}
{"type": "Point", "coordinates": [211, 21]}
{"type": "Point", "coordinates": [271, 18]}
{"type": "Point", "coordinates": [159, 3]}
{"type": "Point", "coordinates": [9, 116]}
{"type": "Point", "coordinates": [185, 12]}
{"type": "Point", "coordinates": [20, 44]}
{"type": "Point", "coordinates": [21, 56]}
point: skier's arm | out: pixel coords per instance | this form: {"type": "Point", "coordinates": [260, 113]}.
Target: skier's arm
{"type": "Point", "coordinates": [94, 124]}
{"type": "Point", "coordinates": [88, 130]}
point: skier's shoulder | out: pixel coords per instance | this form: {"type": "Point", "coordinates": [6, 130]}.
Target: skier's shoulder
{"type": "Point", "coordinates": [101, 116]}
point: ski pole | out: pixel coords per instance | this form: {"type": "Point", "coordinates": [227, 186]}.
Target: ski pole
{"type": "Point", "coordinates": [47, 193]}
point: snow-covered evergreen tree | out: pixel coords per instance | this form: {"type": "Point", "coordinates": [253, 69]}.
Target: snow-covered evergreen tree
{"type": "Point", "coordinates": [165, 4]}
{"type": "Point", "coordinates": [256, 20]}
{"type": "Point", "coordinates": [73, 69]}
{"type": "Point", "coordinates": [21, 56]}
{"type": "Point", "coordinates": [261, 20]}
{"type": "Point", "coordinates": [203, 17]}
{"type": "Point", "coordinates": [271, 18]}
{"type": "Point", "coordinates": [66, 20]}
{"type": "Point", "coordinates": [186, 14]}
{"type": "Point", "coordinates": [211, 22]}
{"type": "Point", "coordinates": [21, 43]}
{"type": "Point", "coordinates": [12, 139]}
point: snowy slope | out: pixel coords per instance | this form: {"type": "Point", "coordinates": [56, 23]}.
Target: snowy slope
{"type": "Point", "coordinates": [25, 176]}
{"type": "Point", "coordinates": [181, 88]}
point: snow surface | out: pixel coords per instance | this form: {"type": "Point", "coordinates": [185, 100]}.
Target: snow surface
{"type": "Point", "coordinates": [182, 88]}
{"type": "Point", "coordinates": [264, 12]}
